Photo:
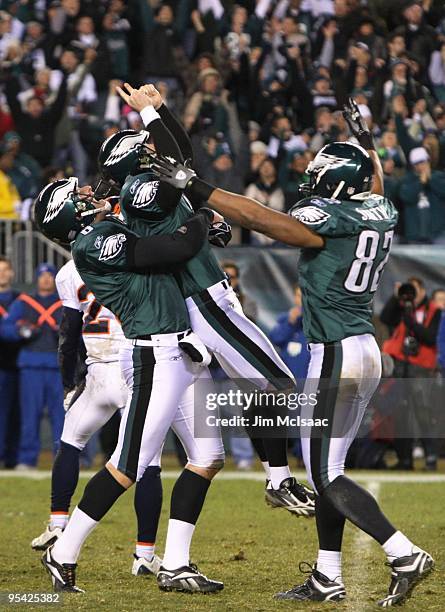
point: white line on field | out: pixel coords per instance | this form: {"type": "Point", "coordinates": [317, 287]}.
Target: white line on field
{"type": "Point", "coordinates": [362, 545]}
{"type": "Point", "coordinates": [364, 477]}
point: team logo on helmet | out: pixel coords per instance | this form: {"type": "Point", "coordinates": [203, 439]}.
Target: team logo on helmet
{"type": "Point", "coordinates": [57, 198]}
{"type": "Point", "coordinates": [145, 194]}
{"type": "Point", "coordinates": [126, 145]}
{"type": "Point", "coordinates": [311, 215]}
{"type": "Point", "coordinates": [112, 246]}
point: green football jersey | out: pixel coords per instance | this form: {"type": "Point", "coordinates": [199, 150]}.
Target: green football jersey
{"type": "Point", "coordinates": [142, 213]}
{"type": "Point", "coordinates": [338, 282]}
{"type": "Point", "coordinates": [145, 303]}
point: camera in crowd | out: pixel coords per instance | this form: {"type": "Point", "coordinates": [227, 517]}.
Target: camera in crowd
{"type": "Point", "coordinates": [407, 295]}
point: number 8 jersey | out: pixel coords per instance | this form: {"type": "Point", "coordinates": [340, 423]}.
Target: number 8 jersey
{"type": "Point", "coordinates": [101, 331]}
{"type": "Point", "coordinates": [338, 282]}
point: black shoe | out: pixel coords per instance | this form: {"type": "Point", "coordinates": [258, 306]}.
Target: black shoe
{"type": "Point", "coordinates": [187, 579]}
{"type": "Point", "coordinates": [406, 573]}
{"type": "Point", "coordinates": [293, 496]}
{"type": "Point", "coordinates": [63, 575]}
{"type": "Point", "coordinates": [317, 587]}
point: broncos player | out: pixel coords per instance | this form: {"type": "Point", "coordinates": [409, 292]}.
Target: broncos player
{"type": "Point", "coordinates": [102, 392]}
{"type": "Point", "coordinates": [130, 276]}
{"type": "Point", "coordinates": [216, 315]}
{"type": "Point", "coordinates": [345, 228]}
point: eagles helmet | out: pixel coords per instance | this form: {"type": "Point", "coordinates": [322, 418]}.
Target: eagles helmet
{"type": "Point", "coordinates": [340, 170]}
{"type": "Point", "coordinates": [61, 212]}
{"type": "Point", "coordinates": [122, 154]}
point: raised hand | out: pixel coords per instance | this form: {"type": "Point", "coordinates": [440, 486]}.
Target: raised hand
{"type": "Point", "coordinates": [357, 124]}
{"type": "Point", "coordinates": [170, 171]}
{"type": "Point", "coordinates": [136, 98]}
{"type": "Point", "coordinates": [154, 95]}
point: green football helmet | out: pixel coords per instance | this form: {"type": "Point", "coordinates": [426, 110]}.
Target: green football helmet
{"type": "Point", "coordinates": [122, 154]}
{"type": "Point", "coordinates": [340, 170]}
{"type": "Point", "coordinates": [61, 212]}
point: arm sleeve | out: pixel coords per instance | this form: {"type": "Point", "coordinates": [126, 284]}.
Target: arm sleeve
{"type": "Point", "coordinates": [70, 338]}
{"type": "Point", "coordinates": [167, 250]}
{"type": "Point", "coordinates": [178, 131]}
{"type": "Point", "coordinates": [165, 143]}
{"type": "Point", "coordinates": [427, 335]}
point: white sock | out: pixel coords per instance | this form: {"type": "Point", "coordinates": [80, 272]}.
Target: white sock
{"type": "Point", "coordinates": [145, 549]}
{"type": "Point", "coordinates": [329, 564]}
{"type": "Point", "coordinates": [67, 547]}
{"type": "Point", "coordinates": [266, 468]}
{"type": "Point", "coordinates": [58, 519]}
{"type": "Point", "coordinates": [278, 474]}
{"type": "Point", "coordinates": [177, 545]}
{"type": "Point", "coordinates": [397, 545]}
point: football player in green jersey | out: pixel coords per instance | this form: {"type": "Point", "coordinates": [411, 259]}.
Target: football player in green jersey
{"type": "Point", "coordinates": [151, 207]}
{"type": "Point", "coordinates": [345, 228]}
{"type": "Point", "coordinates": [131, 276]}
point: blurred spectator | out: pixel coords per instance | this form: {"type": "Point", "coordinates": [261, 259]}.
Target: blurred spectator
{"type": "Point", "coordinates": [36, 125]}
{"type": "Point", "coordinates": [413, 320]}
{"type": "Point", "coordinates": [9, 376]}
{"type": "Point", "coordinates": [438, 298]}
{"type": "Point", "coordinates": [420, 38]}
{"type": "Point", "coordinates": [25, 173]}
{"type": "Point", "coordinates": [9, 196]}
{"type": "Point", "coordinates": [267, 191]}
{"type": "Point", "coordinates": [233, 273]}
{"type": "Point", "coordinates": [421, 193]}
{"type": "Point", "coordinates": [289, 337]}
{"type": "Point", "coordinates": [34, 321]}
{"type": "Point", "coordinates": [206, 108]}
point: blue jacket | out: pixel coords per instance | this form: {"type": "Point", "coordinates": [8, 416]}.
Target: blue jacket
{"type": "Point", "coordinates": [40, 351]}
{"type": "Point", "coordinates": [291, 341]}
{"type": "Point", "coordinates": [8, 350]}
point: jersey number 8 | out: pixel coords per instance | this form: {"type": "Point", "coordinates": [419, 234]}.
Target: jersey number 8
{"type": "Point", "coordinates": [359, 279]}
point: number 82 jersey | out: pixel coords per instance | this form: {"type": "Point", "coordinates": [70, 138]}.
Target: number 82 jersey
{"type": "Point", "coordinates": [338, 282]}
{"type": "Point", "coordinates": [101, 331]}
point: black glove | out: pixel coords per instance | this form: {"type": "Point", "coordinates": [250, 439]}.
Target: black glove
{"type": "Point", "coordinates": [357, 124]}
{"type": "Point", "coordinates": [170, 171]}
{"type": "Point", "coordinates": [220, 234]}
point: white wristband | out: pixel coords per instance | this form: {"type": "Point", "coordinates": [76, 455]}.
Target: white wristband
{"type": "Point", "coordinates": [149, 114]}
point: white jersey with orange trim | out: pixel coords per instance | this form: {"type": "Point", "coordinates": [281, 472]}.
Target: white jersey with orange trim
{"type": "Point", "coordinates": [101, 331]}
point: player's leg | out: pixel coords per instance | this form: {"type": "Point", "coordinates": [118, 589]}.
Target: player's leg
{"type": "Point", "coordinates": [349, 373]}
{"type": "Point", "coordinates": [205, 457]}
{"type": "Point", "coordinates": [156, 384]}
{"type": "Point", "coordinates": [95, 401]}
{"type": "Point", "coordinates": [244, 352]}
{"type": "Point", "coordinates": [147, 506]}
{"type": "Point", "coordinates": [31, 408]}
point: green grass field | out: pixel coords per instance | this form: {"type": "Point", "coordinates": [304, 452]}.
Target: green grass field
{"type": "Point", "coordinates": [255, 550]}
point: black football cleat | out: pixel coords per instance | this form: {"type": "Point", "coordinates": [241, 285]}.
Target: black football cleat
{"type": "Point", "coordinates": [406, 573]}
{"type": "Point", "coordinates": [293, 496]}
{"type": "Point", "coordinates": [317, 587]}
{"type": "Point", "coordinates": [63, 575]}
{"type": "Point", "coordinates": [187, 579]}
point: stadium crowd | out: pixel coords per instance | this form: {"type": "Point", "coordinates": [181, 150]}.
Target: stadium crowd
{"type": "Point", "coordinates": [259, 86]}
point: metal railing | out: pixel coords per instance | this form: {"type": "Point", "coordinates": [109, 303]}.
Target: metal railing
{"type": "Point", "coordinates": [27, 248]}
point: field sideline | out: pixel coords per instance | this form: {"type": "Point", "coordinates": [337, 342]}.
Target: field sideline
{"type": "Point", "coordinates": [253, 549]}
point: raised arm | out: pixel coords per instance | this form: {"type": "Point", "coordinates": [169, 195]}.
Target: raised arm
{"type": "Point", "coordinates": [360, 130]}
{"type": "Point", "coordinates": [245, 211]}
